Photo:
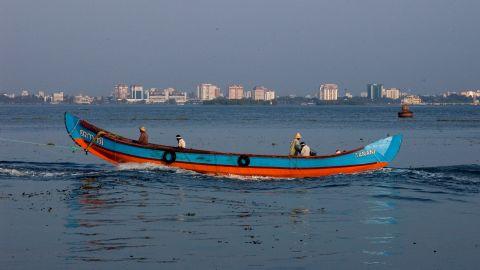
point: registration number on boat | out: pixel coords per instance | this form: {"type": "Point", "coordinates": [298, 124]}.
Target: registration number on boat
{"type": "Point", "coordinates": [90, 137]}
{"type": "Point", "coordinates": [364, 153]}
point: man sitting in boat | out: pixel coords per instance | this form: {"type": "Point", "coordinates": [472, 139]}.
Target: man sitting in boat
{"type": "Point", "coordinates": [305, 150]}
{"type": "Point", "coordinates": [181, 142]}
{"type": "Point", "coordinates": [295, 148]}
{"type": "Point", "coordinates": [143, 139]}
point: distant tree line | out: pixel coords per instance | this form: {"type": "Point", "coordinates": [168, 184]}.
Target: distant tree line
{"type": "Point", "coordinates": [451, 99]}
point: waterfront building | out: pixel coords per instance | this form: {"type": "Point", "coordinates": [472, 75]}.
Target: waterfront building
{"type": "Point", "coordinates": [120, 92]}
{"type": "Point", "coordinates": [161, 96]}
{"type": "Point", "coordinates": [235, 92]}
{"type": "Point", "coordinates": [411, 99]}
{"type": "Point", "coordinates": [41, 94]}
{"type": "Point", "coordinates": [137, 92]}
{"type": "Point", "coordinates": [348, 95]}
{"type": "Point", "coordinates": [363, 94]}
{"type": "Point", "coordinates": [81, 99]}
{"type": "Point", "coordinates": [25, 93]}
{"type": "Point", "coordinates": [328, 91]}
{"type": "Point", "coordinates": [392, 93]}
{"type": "Point", "coordinates": [374, 91]}
{"type": "Point", "coordinates": [57, 97]}
{"type": "Point", "coordinates": [471, 93]}
{"type": "Point", "coordinates": [179, 96]}
{"type": "Point", "coordinates": [248, 94]}
{"type": "Point", "coordinates": [269, 95]}
{"type": "Point", "coordinates": [258, 93]}
{"type": "Point", "coordinates": [206, 91]}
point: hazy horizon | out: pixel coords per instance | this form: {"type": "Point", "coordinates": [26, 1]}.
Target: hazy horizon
{"type": "Point", "coordinates": [292, 47]}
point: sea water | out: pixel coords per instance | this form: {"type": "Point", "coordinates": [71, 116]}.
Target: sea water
{"type": "Point", "coordinates": [62, 209]}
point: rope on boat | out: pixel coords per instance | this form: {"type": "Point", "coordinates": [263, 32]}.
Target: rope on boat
{"type": "Point", "coordinates": [72, 148]}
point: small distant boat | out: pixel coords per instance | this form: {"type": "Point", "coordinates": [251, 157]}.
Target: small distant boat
{"type": "Point", "coordinates": [117, 150]}
{"type": "Point", "coordinates": [405, 113]}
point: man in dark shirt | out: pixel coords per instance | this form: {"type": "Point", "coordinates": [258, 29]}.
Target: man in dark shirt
{"type": "Point", "coordinates": [143, 139]}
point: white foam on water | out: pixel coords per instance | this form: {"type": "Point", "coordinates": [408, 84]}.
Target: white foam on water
{"type": "Point", "coordinates": [13, 172]}
{"type": "Point", "coordinates": [252, 178]}
{"type": "Point", "coordinates": [151, 167]}
{"type": "Point", "coordinates": [21, 173]}
{"type": "Point", "coordinates": [141, 166]}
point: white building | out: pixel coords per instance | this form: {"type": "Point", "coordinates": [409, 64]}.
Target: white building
{"type": "Point", "coordinates": [471, 93]}
{"type": "Point", "coordinates": [206, 91]}
{"type": "Point", "coordinates": [269, 95]}
{"type": "Point", "coordinates": [161, 96]}
{"type": "Point", "coordinates": [120, 92]}
{"type": "Point", "coordinates": [391, 93]}
{"type": "Point", "coordinates": [24, 93]}
{"type": "Point", "coordinates": [328, 91]}
{"type": "Point", "coordinates": [412, 99]}
{"type": "Point", "coordinates": [57, 97]}
{"type": "Point", "coordinates": [258, 93]}
{"type": "Point", "coordinates": [363, 94]}
{"type": "Point", "coordinates": [137, 92]}
{"type": "Point", "coordinates": [81, 99]}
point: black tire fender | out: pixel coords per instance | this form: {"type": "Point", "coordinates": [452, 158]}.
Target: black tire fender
{"type": "Point", "coordinates": [169, 156]}
{"type": "Point", "coordinates": [243, 161]}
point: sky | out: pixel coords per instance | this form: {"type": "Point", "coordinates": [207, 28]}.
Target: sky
{"type": "Point", "coordinates": [293, 46]}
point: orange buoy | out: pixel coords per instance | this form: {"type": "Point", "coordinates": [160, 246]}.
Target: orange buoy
{"type": "Point", "coordinates": [405, 113]}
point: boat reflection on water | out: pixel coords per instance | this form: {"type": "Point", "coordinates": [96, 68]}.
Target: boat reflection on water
{"type": "Point", "coordinates": [94, 207]}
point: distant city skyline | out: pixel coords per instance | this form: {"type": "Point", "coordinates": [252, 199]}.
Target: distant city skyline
{"type": "Point", "coordinates": [293, 47]}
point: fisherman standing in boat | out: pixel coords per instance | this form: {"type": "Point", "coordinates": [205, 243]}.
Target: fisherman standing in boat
{"type": "Point", "coordinates": [143, 139]}
{"type": "Point", "coordinates": [295, 147]}
{"type": "Point", "coordinates": [181, 142]}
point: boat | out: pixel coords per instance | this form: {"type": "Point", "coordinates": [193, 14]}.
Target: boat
{"type": "Point", "coordinates": [405, 113]}
{"type": "Point", "coordinates": [117, 150]}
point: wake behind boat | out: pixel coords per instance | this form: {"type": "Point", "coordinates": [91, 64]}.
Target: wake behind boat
{"type": "Point", "coordinates": [117, 150]}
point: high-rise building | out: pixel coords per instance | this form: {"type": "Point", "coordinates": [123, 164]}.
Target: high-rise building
{"type": "Point", "coordinates": [374, 91]}
{"type": "Point", "coordinates": [258, 92]}
{"type": "Point", "coordinates": [120, 92]}
{"type": "Point", "coordinates": [206, 91]}
{"type": "Point", "coordinates": [328, 91]}
{"type": "Point", "coordinates": [137, 92]}
{"type": "Point", "coordinates": [235, 92]}
{"type": "Point", "coordinates": [392, 93]}
{"type": "Point", "coordinates": [57, 97]}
